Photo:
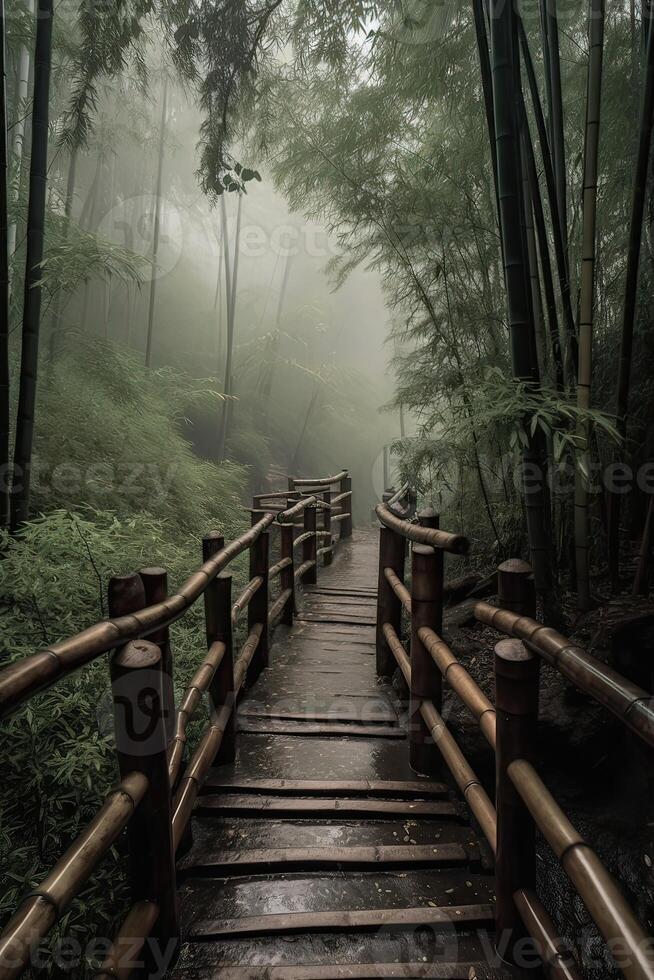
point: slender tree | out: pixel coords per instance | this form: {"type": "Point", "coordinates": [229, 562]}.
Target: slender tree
{"type": "Point", "coordinates": [157, 227]}
{"type": "Point", "coordinates": [558, 231]}
{"type": "Point", "coordinates": [4, 285]}
{"type": "Point", "coordinates": [22, 87]}
{"type": "Point", "coordinates": [231, 280]}
{"type": "Point", "coordinates": [272, 348]}
{"type": "Point", "coordinates": [631, 288]}
{"type": "Point", "coordinates": [505, 72]}
{"type": "Point", "coordinates": [35, 244]}
{"type": "Point", "coordinates": [555, 93]}
{"type": "Point", "coordinates": [587, 291]}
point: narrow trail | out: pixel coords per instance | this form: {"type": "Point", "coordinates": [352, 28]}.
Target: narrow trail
{"type": "Point", "coordinates": [318, 852]}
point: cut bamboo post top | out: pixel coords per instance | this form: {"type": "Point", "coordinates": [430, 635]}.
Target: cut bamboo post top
{"type": "Point", "coordinates": [632, 704]}
{"type": "Point", "coordinates": [456, 544]}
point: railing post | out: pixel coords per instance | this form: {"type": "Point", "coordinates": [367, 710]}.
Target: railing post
{"type": "Point", "coordinates": [309, 546]}
{"type": "Point", "coordinates": [516, 686]}
{"type": "Point", "coordinates": [328, 557]}
{"type": "Point", "coordinates": [287, 578]}
{"type": "Point", "coordinates": [392, 554]}
{"type": "Point", "coordinates": [516, 588]}
{"type": "Point", "coordinates": [218, 619]}
{"type": "Point", "coordinates": [155, 583]}
{"type": "Point", "coordinates": [348, 523]}
{"type": "Point", "coordinates": [258, 607]}
{"type": "Point", "coordinates": [138, 691]}
{"type": "Point", "coordinates": [426, 682]}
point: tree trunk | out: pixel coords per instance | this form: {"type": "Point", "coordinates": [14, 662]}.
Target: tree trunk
{"type": "Point", "coordinates": [587, 293]}
{"type": "Point", "coordinates": [504, 61]}
{"type": "Point", "coordinates": [556, 116]}
{"type": "Point", "coordinates": [273, 349]}
{"type": "Point", "coordinates": [5, 409]}
{"type": "Point", "coordinates": [544, 254]}
{"type": "Point", "coordinates": [307, 418]}
{"type": "Point", "coordinates": [55, 326]}
{"type": "Point", "coordinates": [631, 288]}
{"type": "Point", "coordinates": [157, 228]}
{"type": "Point", "coordinates": [22, 88]}
{"type": "Point", "coordinates": [231, 285]}
{"type": "Point", "coordinates": [558, 233]}
{"type": "Point", "coordinates": [35, 239]}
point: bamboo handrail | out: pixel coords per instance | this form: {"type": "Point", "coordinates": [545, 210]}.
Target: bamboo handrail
{"type": "Point", "coordinates": [278, 606]}
{"type": "Point", "coordinates": [196, 773]}
{"type": "Point", "coordinates": [461, 683]}
{"type": "Point", "coordinates": [399, 588]}
{"type": "Point", "coordinates": [245, 597]}
{"type": "Point", "coordinates": [341, 497]}
{"type": "Point", "coordinates": [304, 568]}
{"type": "Point", "coordinates": [199, 685]}
{"type": "Point", "coordinates": [42, 908]}
{"type": "Point", "coordinates": [399, 494]}
{"type": "Point", "coordinates": [632, 704]}
{"type": "Point", "coordinates": [558, 962]}
{"type": "Point", "coordinates": [24, 678]}
{"type": "Point", "coordinates": [286, 516]}
{"type": "Point", "coordinates": [596, 887]}
{"type": "Point", "coordinates": [247, 652]}
{"type": "Point", "coordinates": [301, 538]}
{"type": "Point", "coordinates": [327, 550]}
{"type": "Point", "coordinates": [277, 569]}
{"type": "Point", "coordinates": [326, 482]}
{"type": "Point", "coordinates": [340, 517]}
{"type": "Point", "coordinates": [472, 790]}
{"type": "Point", "coordinates": [139, 922]}
{"type": "Point", "coordinates": [456, 544]}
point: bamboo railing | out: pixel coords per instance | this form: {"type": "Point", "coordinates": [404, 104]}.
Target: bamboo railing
{"type": "Point", "coordinates": [522, 801]}
{"type": "Point", "coordinates": [155, 799]}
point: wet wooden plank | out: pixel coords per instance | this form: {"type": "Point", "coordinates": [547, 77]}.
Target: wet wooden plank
{"type": "Point", "coordinates": [318, 729]}
{"type": "Point", "coordinates": [292, 922]}
{"type": "Point", "coordinates": [268, 860]}
{"type": "Point", "coordinates": [353, 971]}
{"type": "Point", "coordinates": [330, 787]}
{"type": "Point", "coordinates": [380, 715]}
{"type": "Point", "coordinates": [338, 806]}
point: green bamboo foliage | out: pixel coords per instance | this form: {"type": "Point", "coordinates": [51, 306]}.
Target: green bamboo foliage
{"type": "Point", "coordinates": [34, 259]}
{"type": "Point", "coordinates": [506, 86]}
{"type": "Point", "coordinates": [631, 287]}
{"type": "Point", "coordinates": [587, 291]}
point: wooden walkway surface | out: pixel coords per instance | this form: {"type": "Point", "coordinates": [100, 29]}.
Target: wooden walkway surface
{"type": "Point", "coordinates": [318, 853]}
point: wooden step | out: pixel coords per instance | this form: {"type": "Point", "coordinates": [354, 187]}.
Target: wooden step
{"type": "Point", "coordinates": [338, 806]}
{"type": "Point", "coordinates": [343, 920]}
{"type": "Point", "coordinates": [384, 716]}
{"type": "Point", "coordinates": [318, 729]}
{"type": "Point", "coordinates": [288, 859]}
{"type": "Point", "coordinates": [353, 971]}
{"type": "Point", "coordinates": [328, 787]}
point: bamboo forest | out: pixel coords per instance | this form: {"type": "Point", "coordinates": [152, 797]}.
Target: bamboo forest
{"type": "Point", "coordinates": [327, 489]}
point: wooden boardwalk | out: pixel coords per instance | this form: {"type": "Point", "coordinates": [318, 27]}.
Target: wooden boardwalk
{"type": "Point", "coordinates": [319, 853]}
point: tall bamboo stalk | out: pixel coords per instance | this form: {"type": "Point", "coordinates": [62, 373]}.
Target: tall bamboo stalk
{"type": "Point", "coordinates": [544, 255]}
{"type": "Point", "coordinates": [556, 116]}
{"type": "Point", "coordinates": [504, 65]}
{"type": "Point", "coordinates": [157, 227]}
{"type": "Point", "coordinates": [35, 245]}
{"type": "Point", "coordinates": [55, 328]}
{"type": "Point", "coordinates": [631, 288]}
{"type": "Point", "coordinates": [4, 284]}
{"type": "Point", "coordinates": [587, 291]}
{"type": "Point", "coordinates": [558, 234]}
{"type": "Point", "coordinates": [231, 284]}
{"type": "Point", "coordinates": [22, 87]}
{"type": "Point", "coordinates": [487, 88]}
{"type": "Point", "coordinates": [273, 348]}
